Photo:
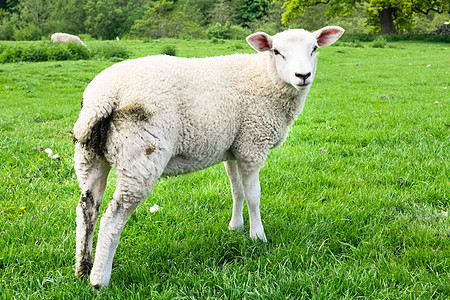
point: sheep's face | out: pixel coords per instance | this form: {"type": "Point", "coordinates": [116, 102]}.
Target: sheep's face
{"type": "Point", "coordinates": [294, 52]}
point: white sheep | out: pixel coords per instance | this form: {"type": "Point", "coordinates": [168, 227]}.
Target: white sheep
{"type": "Point", "coordinates": [162, 115]}
{"type": "Point", "coordinates": [65, 38]}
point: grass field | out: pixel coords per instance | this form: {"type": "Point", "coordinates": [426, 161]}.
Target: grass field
{"type": "Point", "coordinates": [354, 203]}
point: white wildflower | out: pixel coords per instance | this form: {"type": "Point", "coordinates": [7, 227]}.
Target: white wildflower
{"type": "Point", "coordinates": [49, 152]}
{"type": "Point", "coordinates": [154, 208]}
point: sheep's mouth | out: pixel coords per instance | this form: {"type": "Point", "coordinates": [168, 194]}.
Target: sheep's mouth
{"type": "Point", "coordinates": [302, 85]}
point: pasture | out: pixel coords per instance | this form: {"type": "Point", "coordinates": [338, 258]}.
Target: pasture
{"type": "Point", "coordinates": [354, 204]}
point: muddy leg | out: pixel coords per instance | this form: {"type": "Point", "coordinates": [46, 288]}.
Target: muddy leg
{"type": "Point", "coordinates": [92, 172]}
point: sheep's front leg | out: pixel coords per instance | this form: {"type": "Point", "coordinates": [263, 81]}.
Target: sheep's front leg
{"type": "Point", "coordinates": [252, 190]}
{"type": "Point", "coordinates": [237, 191]}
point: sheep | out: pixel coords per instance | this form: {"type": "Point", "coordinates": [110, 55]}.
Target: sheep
{"type": "Point", "coordinates": [65, 38]}
{"type": "Point", "coordinates": [162, 115]}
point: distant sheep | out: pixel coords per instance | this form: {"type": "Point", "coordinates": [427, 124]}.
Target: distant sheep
{"type": "Point", "coordinates": [65, 38]}
{"type": "Point", "coordinates": [161, 116]}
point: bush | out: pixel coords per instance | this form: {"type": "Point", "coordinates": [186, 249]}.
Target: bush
{"type": "Point", "coordinates": [394, 37]}
{"type": "Point", "coordinates": [169, 50]}
{"type": "Point", "coordinates": [38, 53]}
{"type": "Point", "coordinates": [8, 22]}
{"type": "Point", "coordinates": [353, 37]}
{"type": "Point", "coordinates": [11, 54]}
{"type": "Point", "coordinates": [219, 31]}
{"type": "Point", "coordinates": [379, 43]}
{"type": "Point", "coordinates": [239, 33]}
{"type": "Point", "coordinates": [43, 51]}
{"type": "Point", "coordinates": [364, 37]}
{"type": "Point", "coordinates": [2, 48]}
{"type": "Point", "coordinates": [432, 38]}
{"type": "Point", "coordinates": [58, 52]}
{"type": "Point", "coordinates": [29, 32]}
{"type": "Point", "coordinates": [77, 51]}
{"type": "Point", "coordinates": [6, 31]}
{"type": "Point", "coordinates": [110, 50]}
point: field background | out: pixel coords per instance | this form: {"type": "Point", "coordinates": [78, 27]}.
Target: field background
{"type": "Point", "coordinates": [354, 203]}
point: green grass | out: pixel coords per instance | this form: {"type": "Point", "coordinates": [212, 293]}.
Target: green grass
{"type": "Point", "coordinates": [339, 220]}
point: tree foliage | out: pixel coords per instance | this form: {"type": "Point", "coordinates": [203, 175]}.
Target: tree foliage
{"type": "Point", "coordinates": [251, 10]}
{"type": "Point", "coordinates": [388, 16]}
{"type": "Point", "coordinates": [163, 20]}
{"type": "Point", "coordinates": [106, 19]}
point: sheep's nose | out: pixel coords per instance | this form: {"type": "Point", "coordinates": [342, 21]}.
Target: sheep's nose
{"type": "Point", "coordinates": [303, 76]}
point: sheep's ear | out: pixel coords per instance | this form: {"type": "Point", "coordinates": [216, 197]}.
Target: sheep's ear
{"type": "Point", "coordinates": [328, 35]}
{"type": "Point", "coordinates": [260, 41]}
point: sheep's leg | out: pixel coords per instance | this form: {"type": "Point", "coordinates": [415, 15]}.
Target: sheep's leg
{"type": "Point", "coordinates": [135, 181]}
{"type": "Point", "coordinates": [92, 172]}
{"type": "Point", "coordinates": [237, 220]}
{"type": "Point", "coordinates": [111, 225]}
{"type": "Point", "coordinates": [252, 191]}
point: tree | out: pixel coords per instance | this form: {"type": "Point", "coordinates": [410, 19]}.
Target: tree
{"type": "Point", "coordinates": [107, 19]}
{"type": "Point", "coordinates": [163, 20]}
{"type": "Point", "coordinates": [68, 16]}
{"type": "Point", "coordinates": [251, 10]}
{"type": "Point", "coordinates": [35, 12]}
{"type": "Point", "coordinates": [154, 22]}
{"type": "Point", "coordinates": [389, 16]}
{"type": "Point", "coordinates": [9, 5]}
{"type": "Point", "coordinates": [198, 11]}
{"type": "Point", "coordinates": [223, 11]}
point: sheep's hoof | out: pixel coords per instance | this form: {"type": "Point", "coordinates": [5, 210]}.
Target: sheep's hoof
{"type": "Point", "coordinates": [84, 269]}
{"type": "Point", "coordinates": [259, 237]}
{"type": "Point", "coordinates": [98, 287]}
{"type": "Point", "coordinates": [237, 228]}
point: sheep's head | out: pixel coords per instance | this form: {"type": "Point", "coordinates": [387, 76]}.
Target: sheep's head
{"type": "Point", "coordinates": [294, 51]}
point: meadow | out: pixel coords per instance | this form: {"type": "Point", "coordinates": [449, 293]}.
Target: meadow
{"type": "Point", "coordinates": [355, 203]}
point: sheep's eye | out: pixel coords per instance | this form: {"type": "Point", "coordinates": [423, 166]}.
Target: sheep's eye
{"type": "Point", "coordinates": [276, 52]}
{"type": "Point", "coordinates": [314, 49]}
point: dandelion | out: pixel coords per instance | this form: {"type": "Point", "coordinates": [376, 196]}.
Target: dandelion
{"type": "Point", "coordinates": [59, 170]}
{"type": "Point", "coordinates": [41, 159]}
{"type": "Point", "coordinates": [22, 208]}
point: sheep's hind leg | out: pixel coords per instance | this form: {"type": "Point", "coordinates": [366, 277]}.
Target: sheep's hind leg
{"type": "Point", "coordinates": [135, 181]}
{"type": "Point", "coordinates": [237, 191]}
{"type": "Point", "coordinates": [92, 172]}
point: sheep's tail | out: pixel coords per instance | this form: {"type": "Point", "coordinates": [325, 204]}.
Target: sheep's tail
{"type": "Point", "coordinates": [91, 128]}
